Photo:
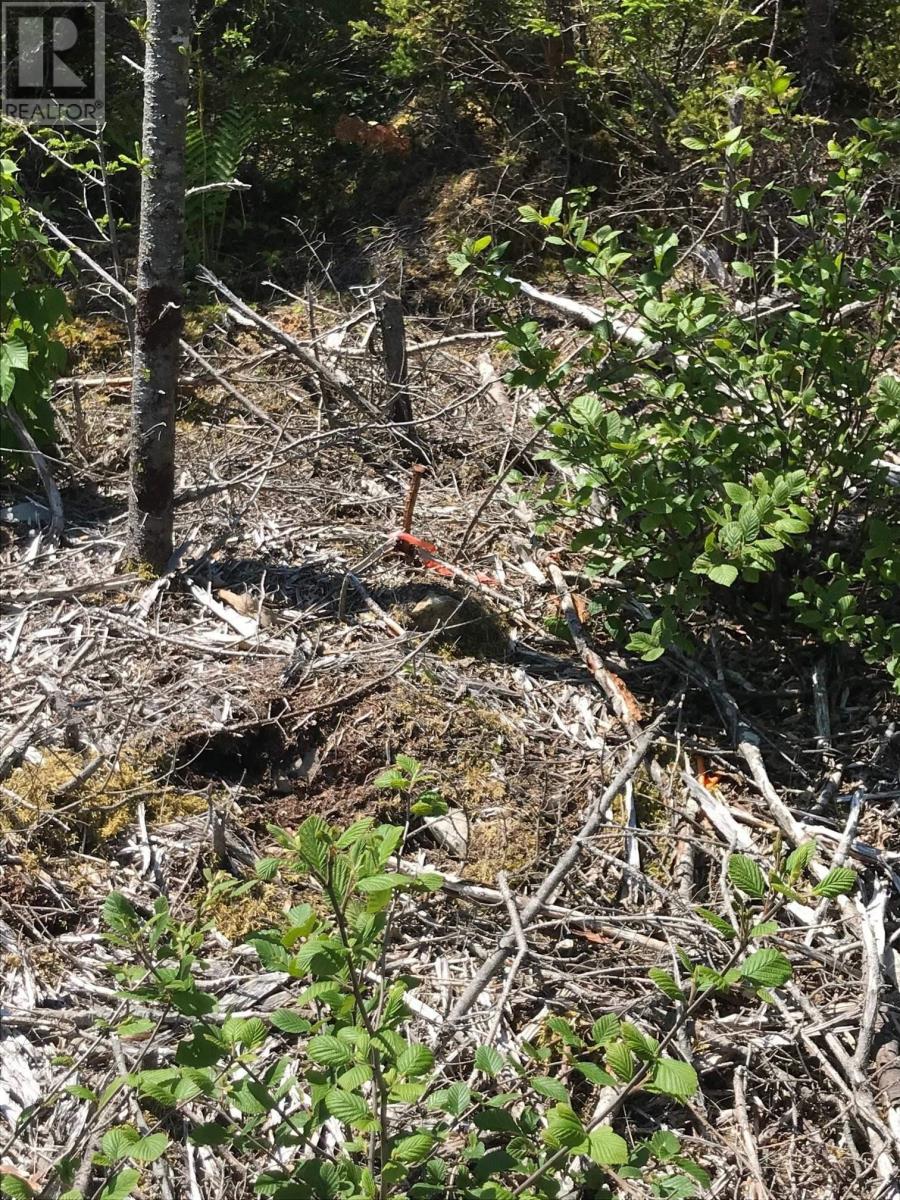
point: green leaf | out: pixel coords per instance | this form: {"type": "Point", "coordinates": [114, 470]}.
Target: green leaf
{"type": "Point", "coordinates": [459, 1097]}
{"type": "Point", "coordinates": [766, 968]}
{"type": "Point", "coordinates": [412, 1149]}
{"type": "Point", "coordinates": [209, 1134]}
{"type": "Point", "coordinates": [382, 883]}
{"type": "Point", "coordinates": [643, 1046]}
{"type": "Point", "coordinates": [723, 573]}
{"type": "Point", "coordinates": [135, 1027]}
{"type": "Point", "coordinates": [415, 1060]}
{"type": "Point", "coordinates": [18, 1189]}
{"type": "Point", "coordinates": [329, 1051]}
{"type": "Point", "coordinates": [266, 868]}
{"type": "Point", "coordinates": [605, 1029]}
{"type": "Point", "coordinates": [429, 880]}
{"type": "Point", "coordinates": [119, 914]}
{"type": "Point", "coordinates": [666, 983]}
{"type": "Point", "coordinates": [252, 1098]}
{"type": "Point", "coordinates": [551, 1088]}
{"type": "Point", "coordinates": [673, 1077]}
{"type": "Point", "coordinates": [118, 1141]}
{"type": "Point", "coordinates": [738, 493]}
{"type": "Point", "coordinates": [719, 924]}
{"type": "Point", "coordinates": [148, 1149]}
{"type": "Point", "coordinates": [408, 1093]}
{"type": "Point", "coordinates": [798, 860]}
{"type": "Point", "coordinates": [838, 882]}
{"type": "Point", "coordinates": [495, 1120]}
{"type": "Point", "coordinates": [606, 1148]}
{"type": "Point", "coordinates": [620, 1061]}
{"type": "Point", "coordinates": [764, 929]}
{"type": "Point", "coordinates": [488, 1060]}
{"type": "Point", "coordinates": [354, 1077]}
{"type": "Point", "coordinates": [664, 1144]}
{"type": "Point", "coordinates": [746, 876]}
{"type": "Point", "coordinates": [748, 519]}
{"type": "Point", "coordinates": [347, 1107]}
{"type": "Point", "coordinates": [564, 1126]}
{"type": "Point", "coordinates": [354, 833]}
{"type": "Point", "coordinates": [288, 1020]}
{"type": "Point", "coordinates": [120, 1186]}
{"type": "Point", "coordinates": [325, 990]}
{"type": "Point", "coordinates": [594, 1074]}
{"type": "Point", "coordinates": [15, 352]}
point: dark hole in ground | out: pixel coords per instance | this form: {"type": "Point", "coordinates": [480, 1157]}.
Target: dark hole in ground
{"type": "Point", "coordinates": [251, 757]}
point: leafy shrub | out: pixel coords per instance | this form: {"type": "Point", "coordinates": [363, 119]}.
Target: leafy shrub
{"type": "Point", "coordinates": [261, 1088]}
{"type": "Point", "coordinates": [30, 308]}
{"type": "Point", "coordinates": [735, 447]}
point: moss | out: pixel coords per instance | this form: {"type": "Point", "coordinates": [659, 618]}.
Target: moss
{"type": "Point", "coordinates": [100, 807]}
{"type": "Point", "coordinates": [198, 321]}
{"type": "Point", "coordinates": [98, 342]}
{"type": "Point", "coordinates": [261, 908]}
{"type": "Point", "coordinates": [507, 842]}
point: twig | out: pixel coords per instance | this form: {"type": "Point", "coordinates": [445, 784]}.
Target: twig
{"type": "Point", "coordinates": [743, 1120]}
{"type": "Point", "coordinates": [552, 881]}
{"type": "Point", "coordinates": [333, 381]}
{"type": "Point", "coordinates": [189, 350]}
{"type": "Point", "coordinates": [54, 500]}
{"type": "Point", "coordinates": [521, 942]}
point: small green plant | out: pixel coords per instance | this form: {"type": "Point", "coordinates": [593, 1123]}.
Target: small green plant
{"type": "Point", "coordinates": [212, 156]}
{"type": "Point", "coordinates": [412, 781]}
{"type": "Point", "coordinates": [727, 459]}
{"type": "Point", "coordinates": [402, 1120]}
{"type": "Point", "coordinates": [30, 308]}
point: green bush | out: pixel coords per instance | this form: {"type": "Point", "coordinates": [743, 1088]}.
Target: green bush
{"type": "Point", "coordinates": [30, 308]}
{"type": "Point", "coordinates": [405, 1118]}
{"type": "Point", "coordinates": [731, 463]}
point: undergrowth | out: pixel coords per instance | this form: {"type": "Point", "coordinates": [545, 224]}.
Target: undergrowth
{"type": "Point", "coordinates": [404, 1117]}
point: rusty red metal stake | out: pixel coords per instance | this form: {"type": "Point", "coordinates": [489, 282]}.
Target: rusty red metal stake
{"type": "Point", "coordinates": [415, 483]}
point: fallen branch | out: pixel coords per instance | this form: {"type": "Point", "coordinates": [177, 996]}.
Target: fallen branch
{"type": "Point", "coordinates": [128, 296]}
{"type": "Point", "coordinates": [333, 381]}
{"type": "Point", "coordinates": [555, 877]}
{"type": "Point", "coordinates": [54, 500]}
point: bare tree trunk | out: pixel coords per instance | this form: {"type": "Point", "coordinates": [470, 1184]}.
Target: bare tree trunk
{"type": "Point", "coordinates": [159, 297]}
{"type": "Point", "coordinates": [818, 64]}
{"type": "Point", "coordinates": [393, 343]}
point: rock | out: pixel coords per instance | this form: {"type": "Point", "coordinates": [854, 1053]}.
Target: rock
{"type": "Point", "coordinates": [247, 606]}
{"type": "Point", "coordinates": [451, 831]}
{"type": "Point", "coordinates": [434, 609]}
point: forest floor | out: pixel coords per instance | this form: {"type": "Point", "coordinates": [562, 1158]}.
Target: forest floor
{"type": "Point", "coordinates": [153, 728]}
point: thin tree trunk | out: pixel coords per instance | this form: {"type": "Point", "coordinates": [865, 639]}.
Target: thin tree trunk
{"type": "Point", "coordinates": [818, 65]}
{"type": "Point", "coordinates": [393, 343]}
{"type": "Point", "coordinates": [159, 297]}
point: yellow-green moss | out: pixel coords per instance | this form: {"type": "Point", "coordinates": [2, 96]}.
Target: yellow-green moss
{"type": "Point", "coordinates": [102, 805]}
{"type": "Point", "coordinates": [98, 342]}
{"type": "Point", "coordinates": [260, 908]}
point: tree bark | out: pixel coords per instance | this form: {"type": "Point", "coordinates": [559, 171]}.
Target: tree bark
{"type": "Point", "coordinates": [393, 343]}
{"type": "Point", "coordinates": [393, 346]}
{"type": "Point", "coordinates": [818, 57]}
{"type": "Point", "coordinates": [159, 296]}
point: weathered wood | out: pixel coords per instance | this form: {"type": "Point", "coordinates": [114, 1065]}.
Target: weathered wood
{"type": "Point", "coordinates": [393, 347]}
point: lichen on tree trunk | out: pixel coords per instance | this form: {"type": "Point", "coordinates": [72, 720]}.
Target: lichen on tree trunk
{"type": "Point", "coordinates": [158, 319]}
